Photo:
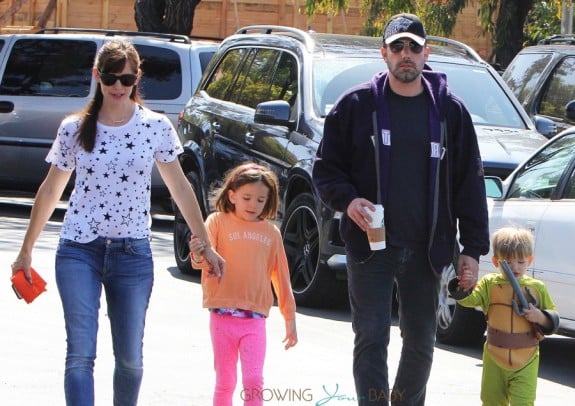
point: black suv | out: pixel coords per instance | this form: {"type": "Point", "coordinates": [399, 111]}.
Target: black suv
{"type": "Point", "coordinates": [543, 79]}
{"type": "Point", "coordinates": [264, 98]}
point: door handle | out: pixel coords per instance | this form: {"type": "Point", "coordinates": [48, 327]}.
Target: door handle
{"type": "Point", "coordinates": [216, 126]}
{"type": "Point", "coordinates": [6, 107]}
{"type": "Point", "coordinates": [249, 138]}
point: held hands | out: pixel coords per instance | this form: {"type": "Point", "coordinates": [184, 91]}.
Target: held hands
{"type": "Point", "coordinates": [467, 271]}
{"type": "Point", "coordinates": [358, 210]}
{"type": "Point", "coordinates": [199, 252]}
{"type": "Point", "coordinates": [291, 334]}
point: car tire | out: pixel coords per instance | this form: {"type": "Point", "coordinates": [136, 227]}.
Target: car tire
{"type": "Point", "coordinates": [313, 284]}
{"type": "Point", "coordinates": [457, 325]}
{"type": "Point", "coordinates": [182, 232]}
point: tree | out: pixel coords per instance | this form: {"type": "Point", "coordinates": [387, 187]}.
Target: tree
{"type": "Point", "coordinates": [167, 16]}
{"type": "Point", "coordinates": [508, 21]}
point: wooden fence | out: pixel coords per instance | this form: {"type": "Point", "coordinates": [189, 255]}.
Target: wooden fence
{"type": "Point", "coordinates": [213, 18]}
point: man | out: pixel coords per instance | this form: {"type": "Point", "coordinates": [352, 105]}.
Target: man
{"type": "Point", "coordinates": [426, 158]}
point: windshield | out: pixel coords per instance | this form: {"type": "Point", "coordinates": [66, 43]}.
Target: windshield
{"type": "Point", "coordinates": [486, 101]}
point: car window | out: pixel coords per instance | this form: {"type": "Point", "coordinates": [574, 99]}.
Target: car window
{"type": "Point", "coordinates": [284, 83]}
{"type": "Point", "coordinates": [524, 72]}
{"type": "Point", "coordinates": [254, 84]}
{"type": "Point", "coordinates": [205, 58]}
{"type": "Point", "coordinates": [220, 83]}
{"type": "Point", "coordinates": [162, 79]}
{"type": "Point", "coordinates": [560, 89]}
{"type": "Point", "coordinates": [54, 67]}
{"type": "Point", "coordinates": [540, 175]}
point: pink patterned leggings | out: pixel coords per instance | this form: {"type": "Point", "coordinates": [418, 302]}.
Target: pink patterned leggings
{"type": "Point", "coordinates": [233, 336]}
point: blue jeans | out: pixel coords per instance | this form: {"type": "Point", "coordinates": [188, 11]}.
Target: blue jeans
{"type": "Point", "coordinates": [370, 291]}
{"type": "Point", "coordinates": [124, 267]}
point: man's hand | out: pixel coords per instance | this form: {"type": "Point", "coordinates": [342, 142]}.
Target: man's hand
{"type": "Point", "coordinates": [467, 271]}
{"type": "Point", "coordinates": [358, 210]}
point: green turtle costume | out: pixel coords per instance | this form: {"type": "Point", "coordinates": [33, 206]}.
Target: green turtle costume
{"type": "Point", "coordinates": [511, 351]}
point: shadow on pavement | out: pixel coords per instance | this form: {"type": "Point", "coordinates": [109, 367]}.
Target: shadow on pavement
{"type": "Point", "coordinates": [557, 357]}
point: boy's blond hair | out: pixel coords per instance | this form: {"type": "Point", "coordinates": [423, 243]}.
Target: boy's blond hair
{"type": "Point", "coordinates": [512, 242]}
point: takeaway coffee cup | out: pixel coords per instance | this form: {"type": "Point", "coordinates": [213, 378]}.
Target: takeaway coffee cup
{"type": "Point", "coordinates": [376, 231]}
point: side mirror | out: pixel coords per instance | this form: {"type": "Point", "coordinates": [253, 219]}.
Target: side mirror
{"type": "Point", "coordinates": [275, 112]}
{"type": "Point", "coordinates": [493, 187]}
{"type": "Point", "coordinates": [545, 126]}
{"type": "Point", "coordinates": [570, 110]}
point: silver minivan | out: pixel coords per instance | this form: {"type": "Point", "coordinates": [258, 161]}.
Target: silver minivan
{"type": "Point", "coordinates": [47, 75]}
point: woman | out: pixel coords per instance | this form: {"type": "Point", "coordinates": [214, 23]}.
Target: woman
{"type": "Point", "coordinates": [105, 238]}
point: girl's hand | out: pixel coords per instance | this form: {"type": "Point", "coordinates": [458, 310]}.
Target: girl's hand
{"type": "Point", "coordinates": [291, 334]}
{"type": "Point", "coordinates": [217, 263]}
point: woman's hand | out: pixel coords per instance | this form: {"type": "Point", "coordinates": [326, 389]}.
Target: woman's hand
{"type": "Point", "coordinates": [23, 261]}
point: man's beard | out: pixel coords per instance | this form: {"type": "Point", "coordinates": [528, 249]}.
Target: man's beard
{"type": "Point", "coordinates": [405, 76]}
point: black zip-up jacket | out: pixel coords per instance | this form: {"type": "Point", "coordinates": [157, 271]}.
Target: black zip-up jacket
{"type": "Point", "coordinates": [345, 168]}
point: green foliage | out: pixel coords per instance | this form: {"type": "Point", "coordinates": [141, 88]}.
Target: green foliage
{"type": "Point", "coordinates": [325, 6]}
{"type": "Point", "coordinates": [502, 19]}
{"type": "Point", "coordinates": [543, 21]}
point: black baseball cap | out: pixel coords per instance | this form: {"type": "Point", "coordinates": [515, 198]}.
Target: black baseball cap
{"type": "Point", "coordinates": [404, 25]}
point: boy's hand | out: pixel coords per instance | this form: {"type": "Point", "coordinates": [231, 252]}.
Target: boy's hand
{"type": "Point", "coordinates": [535, 315]}
{"type": "Point", "coordinates": [291, 334]}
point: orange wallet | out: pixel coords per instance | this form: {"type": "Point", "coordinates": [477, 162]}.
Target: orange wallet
{"type": "Point", "coordinates": [26, 290]}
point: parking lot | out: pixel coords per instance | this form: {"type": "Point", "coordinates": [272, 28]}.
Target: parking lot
{"type": "Point", "coordinates": [178, 366]}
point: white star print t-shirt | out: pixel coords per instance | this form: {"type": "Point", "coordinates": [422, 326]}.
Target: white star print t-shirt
{"type": "Point", "coordinates": [111, 196]}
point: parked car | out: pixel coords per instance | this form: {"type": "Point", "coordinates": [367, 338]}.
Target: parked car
{"type": "Point", "coordinates": [264, 98]}
{"type": "Point", "coordinates": [47, 75]}
{"type": "Point", "coordinates": [543, 79]}
{"type": "Point", "coordinates": [539, 195]}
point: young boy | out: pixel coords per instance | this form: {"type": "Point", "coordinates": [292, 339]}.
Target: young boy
{"type": "Point", "coordinates": [511, 352]}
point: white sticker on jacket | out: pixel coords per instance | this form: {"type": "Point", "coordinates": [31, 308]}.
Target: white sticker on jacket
{"type": "Point", "coordinates": [386, 137]}
{"type": "Point", "coordinates": [435, 150]}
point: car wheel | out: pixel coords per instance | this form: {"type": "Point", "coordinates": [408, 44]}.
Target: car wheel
{"type": "Point", "coordinates": [182, 232]}
{"type": "Point", "coordinates": [457, 325]}
{"type": "Point", "coordinates": [312, 284]}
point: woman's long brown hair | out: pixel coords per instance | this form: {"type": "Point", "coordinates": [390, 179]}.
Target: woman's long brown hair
{"type": "Point", "coordinates": [111, 58]}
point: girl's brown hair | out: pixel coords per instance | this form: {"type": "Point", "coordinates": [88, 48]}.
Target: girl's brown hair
{"type": "Point", "coordinates": [111, 58]}
{"type": "Point", "coordinates": [512, 242]}
{"type": "Point", "coordinates": [250, 173]}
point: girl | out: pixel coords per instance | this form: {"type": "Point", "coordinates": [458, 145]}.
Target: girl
{"type": "Point", "coordinates": [105, 239]}
{"type": "Point", "coordinates": [239, 301]}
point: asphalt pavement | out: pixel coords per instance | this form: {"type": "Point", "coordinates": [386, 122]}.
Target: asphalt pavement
{"type": "Point", "coordinates": [177, 349]}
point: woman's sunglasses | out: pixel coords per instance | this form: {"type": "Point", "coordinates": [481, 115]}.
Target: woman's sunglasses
{"type": "Point", "coordinates": [397, 46]}
{"type": "Point", "coordinates": [109, 79]}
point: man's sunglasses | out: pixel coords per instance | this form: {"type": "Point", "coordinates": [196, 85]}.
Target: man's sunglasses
{"type": "Point", "coordinates": [109, 79]}
{"type": "Point", "coordinates": [397, 46]}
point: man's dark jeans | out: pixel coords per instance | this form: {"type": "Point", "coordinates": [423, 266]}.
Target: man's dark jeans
{"type": "Point", "coordinates": [370, 291]}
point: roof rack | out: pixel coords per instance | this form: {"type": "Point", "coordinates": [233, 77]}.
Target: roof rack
{"type": "Point", "coordinates": [466, 48]}
{"type": "Point", "coordinates": [568, 39]}
{"type": "Point", "coordinates": [172, 37]}
{"type": "Point", "coordinates": [296, 33]}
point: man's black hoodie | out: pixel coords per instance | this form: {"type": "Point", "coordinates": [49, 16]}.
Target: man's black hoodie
{"type": "Point", "coordinates": [345, 167]}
